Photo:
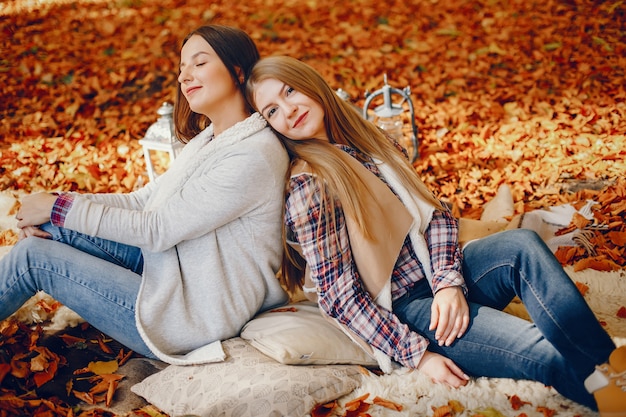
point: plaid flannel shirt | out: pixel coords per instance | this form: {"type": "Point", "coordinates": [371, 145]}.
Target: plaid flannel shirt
{"type": "Point", "coordinates": [341, 294]}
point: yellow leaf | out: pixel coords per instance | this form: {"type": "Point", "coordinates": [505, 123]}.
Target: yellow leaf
{"type": "Point", "coordinates": [490, 412]}
{"type": "Point", "coordinates": [102, 368]}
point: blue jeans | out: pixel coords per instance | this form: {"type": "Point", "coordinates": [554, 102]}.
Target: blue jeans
{"type": "Point", "coordinates": [96, 278]}
{"type": "Point", "coordinates": [559, 348]}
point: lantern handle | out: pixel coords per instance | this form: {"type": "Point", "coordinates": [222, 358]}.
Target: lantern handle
{"type": "Point", "coordinates": [388, 108]}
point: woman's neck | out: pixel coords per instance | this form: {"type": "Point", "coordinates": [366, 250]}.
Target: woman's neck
{"type": "Point", "coordinates": [228, 115]}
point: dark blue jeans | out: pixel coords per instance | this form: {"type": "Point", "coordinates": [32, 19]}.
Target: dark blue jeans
{"type": "Point", "coordinates": [560, 348]}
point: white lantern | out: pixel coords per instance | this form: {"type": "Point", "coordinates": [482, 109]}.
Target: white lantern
{"type": "Point", "coordinates": [161, 137]}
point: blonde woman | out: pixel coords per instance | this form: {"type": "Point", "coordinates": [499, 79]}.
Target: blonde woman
{"type": "Point", "coordinates": [381, 256]}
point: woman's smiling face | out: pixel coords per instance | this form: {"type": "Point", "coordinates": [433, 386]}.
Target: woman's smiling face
{"type": "Point", "coordinates": [291, 113]}
{"type": "Point", "coordinates": [204, 79]}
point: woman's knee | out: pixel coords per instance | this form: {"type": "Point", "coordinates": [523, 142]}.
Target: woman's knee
{"type": "Point", "coordinates": [521, 236]}
{"type": "Point", "coordinates": [520, 242]}
{"type": "Point", "coordinates": [28, 247]}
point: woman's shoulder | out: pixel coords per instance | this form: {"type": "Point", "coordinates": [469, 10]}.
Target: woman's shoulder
{"type": "Point", "coordinates": [266, 136]}
{"type": "Point", "coordinates": [299, 165]}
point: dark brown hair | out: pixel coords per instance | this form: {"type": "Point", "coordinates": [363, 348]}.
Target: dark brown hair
{"type": "Point", "coordinates": [237, 51]}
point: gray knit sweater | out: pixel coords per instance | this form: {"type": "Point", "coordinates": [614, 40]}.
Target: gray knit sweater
{"type": "Point", "coordinates": [210, 232]}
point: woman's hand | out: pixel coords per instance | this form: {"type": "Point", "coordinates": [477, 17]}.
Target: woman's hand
{"type": "Point", "coordinates": [449, 315]}
{"type": "Point", "coordinates": [442, 370]}
{"type": "Point", "coordinates": [32, 231]}
{"type": "Point", "coordinates": [35, 209]}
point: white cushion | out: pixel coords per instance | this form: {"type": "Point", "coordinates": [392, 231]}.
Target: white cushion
{"type": "Point", "coordinates": [246, 384]}
{"type": "Point", "coordinates": [299, 335]}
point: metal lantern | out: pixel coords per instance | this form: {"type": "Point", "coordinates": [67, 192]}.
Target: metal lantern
{"type": "Point", "coordinates": [390, 117]}
{"type": "Point", "coordinates": [161, 137]}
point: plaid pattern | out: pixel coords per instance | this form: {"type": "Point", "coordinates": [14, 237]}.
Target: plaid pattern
{"type": "Point", "coordinates": [61, 207]}
{"type": "Point", "coordinates": [341, 294]}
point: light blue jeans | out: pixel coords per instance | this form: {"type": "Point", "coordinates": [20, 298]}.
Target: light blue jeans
{"type": "Point", "coordinates": [98, 279]}
{"type": "Point", "coordinates": [562, 345]}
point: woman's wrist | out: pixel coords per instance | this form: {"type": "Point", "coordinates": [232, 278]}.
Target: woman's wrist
{"type": "Point", "coordinates": [60, 208]}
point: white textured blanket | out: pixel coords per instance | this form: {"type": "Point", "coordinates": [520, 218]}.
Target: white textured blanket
{"type": "Point", "coordinates": [418, 395]}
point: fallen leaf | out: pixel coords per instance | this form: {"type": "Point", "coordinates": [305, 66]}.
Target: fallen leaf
{"type": "Point", "coordinates": [547, 412]}
{"type": "Point", "coordinates": [442, 411]}
{"type": "Point", "coordinates": [517, 403]}
{"type": "Point", "coordinates": [387, 404]}
{"type": "Point", "coordinates": [103, 368]}
{"type": "Point", "coordinates": [582, 288]}
{"type": "Point", "coordinates": [324, 410]}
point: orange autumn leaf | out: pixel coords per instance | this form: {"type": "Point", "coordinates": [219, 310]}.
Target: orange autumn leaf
{"type": "Point", "coordinates": [547, 412]}
{"type": "Point", "coordinates": [20, 368]}
{"type": "Point", "coordinates": [85, 396]}
{"type": "Point", "coordinates": [324, 410]}
{"type": "Point", "coordinates": [71, 340]}
{"type": "Point", "coordinates": [456, 406]}
{"type": "Point", "coordinates": [360, 411]}
{"type": "Point", "coordinates": [565, 254]}
{"type": "Point", "coordinates": [44, 365]}
{"type": "Point", "coordinates": [618, 238]}
{"type": "Point", "coordinates": [104, 388]}
{"type": "Point", "coordinates": [110, 392]}
{"type": "Point", "coordinates": [619, 208]}
{"type": "Point", "coordinates": [49, 308]}
{"type": "Point", "coordinates": [387, 404]}
{"type": "Point", "coordinates": [42, 359]}
{"type": "Point", "coordinates": [42, 377]}
{"type": "Point", "coordinates": [615, 254]}
{"type": "Point", "coordinates": [8, 237]}
{"type": "Point", "coordinates": [355, 403]}
{"type": "Point", "coordinates": [122, 357]}
{"type": "Point", "coordinates": [442, 411]}
{"type": "Point", "coordinates": [517, 403]}
{"type": "Point", "coordinates": [34, 338]}
{"type": "Point", "coordinates": [102, 382]}
{"type": "Point", "coordinates": [357, 407]}
{"type": "Point", "coordinates": [366, 372]}
{"type": "Point", "coordinates": [596, 264]}
{"type": "Point", "coordinates": [103, 345]}
{"type": "Point", "coordinates": [579, 221]}
{"type": "Point", "coordinates": [5, 368]}
{"type": "Point", "coordinates": [582, 288]}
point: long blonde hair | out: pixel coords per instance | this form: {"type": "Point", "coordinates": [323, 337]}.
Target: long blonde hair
{"type": "Point", "coordinates": [344, 126]}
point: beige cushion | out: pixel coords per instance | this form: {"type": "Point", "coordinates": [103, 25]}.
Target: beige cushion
{"type": "Point", "coordinates": [299, 335]}
{"type": "Point", "coordinates": [246, 384]}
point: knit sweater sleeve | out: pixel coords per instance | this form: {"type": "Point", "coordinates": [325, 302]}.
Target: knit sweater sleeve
{"type": "Point", "coordinates": [220, 190]}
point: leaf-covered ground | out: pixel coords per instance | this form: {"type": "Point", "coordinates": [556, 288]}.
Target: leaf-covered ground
{"type": "Point", "coordinates": [525, 93]}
